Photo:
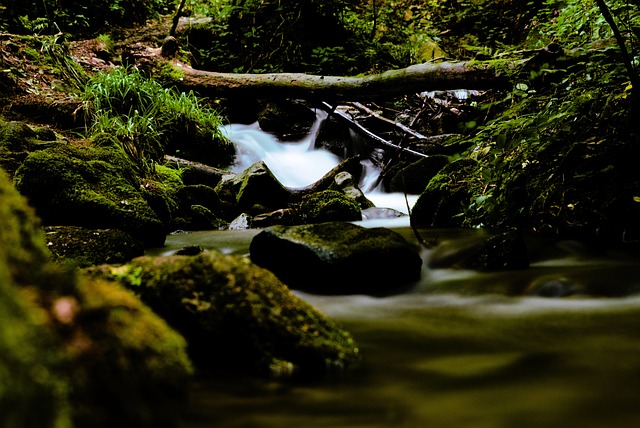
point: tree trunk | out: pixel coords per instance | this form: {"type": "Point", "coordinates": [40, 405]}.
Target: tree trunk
{"type": "Point", "coordinates": [416, 78]}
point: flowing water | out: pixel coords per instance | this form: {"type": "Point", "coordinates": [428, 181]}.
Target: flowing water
{"type": "Point", "coordinates": [459, 349]}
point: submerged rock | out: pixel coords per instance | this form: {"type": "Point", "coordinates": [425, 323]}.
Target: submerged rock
{"type": "Point", "coordinates": [235, 314]}
{"type": "Point", "coordinates": [338, 258]}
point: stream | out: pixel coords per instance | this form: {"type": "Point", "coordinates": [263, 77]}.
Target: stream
{"type": "Point", "coordinates": [456, 350]}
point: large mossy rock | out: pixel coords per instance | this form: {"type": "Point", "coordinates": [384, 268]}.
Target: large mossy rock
{"type": "Point", "coordinates": [413, 177]}
{"type": "Point", "coordinates": [32, 372]}
{"type": "Point", "coordinates": [338, 258]}
{"type": "Point", "coordinates": [129, 368]}
{"type": "Point", "coordinates": [88, 187]}
{"type": "Point", "coordinates": [235, 314]}
{"type": "Point", "coordinates": [74, 351]}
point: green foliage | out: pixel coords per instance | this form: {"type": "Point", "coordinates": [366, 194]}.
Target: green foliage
{"type": "Point", "coordinates": [78, 17]}
{"type": "Point", "coordinates": [570, 23]}
{"type": "Point", "coordinates": [543, 158]}
{"type": "Point", "coordinates": [146, 118]}
{"type": "Point", "coordinates": [311, 36]}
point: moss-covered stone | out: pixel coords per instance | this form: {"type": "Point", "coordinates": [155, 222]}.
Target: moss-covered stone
{"type": "Point", "coordinates": [74, 351]}
{"type": "Point", "coordinates": [88, 187]}
{"type": "Point", "coordinates": [129, 367]}
{"type": "Point", "coordinates": [413, 177]}
{"type": "Point", "coordinates": [255, 185]}
{"type": "Point", "coordinates": [17, 139]}
{"type": "Point", "coordinates": [329, 205]}
{"type": "Point", "coordinates": [31, 375]}
{"type": "Point", "coordinates": [236, 314]}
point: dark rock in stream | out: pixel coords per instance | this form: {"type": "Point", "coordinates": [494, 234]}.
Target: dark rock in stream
{"type": "Point", "coordinates": [289, 120]}
{"type": "Point", "coordinates": [338, 258]}
{"type": "Point", "coordinates": [256, 185]}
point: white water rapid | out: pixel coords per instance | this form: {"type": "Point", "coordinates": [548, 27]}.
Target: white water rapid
{"type": "Point", "coordinates": [298, 163]}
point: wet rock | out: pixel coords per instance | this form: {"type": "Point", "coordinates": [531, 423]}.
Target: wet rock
{"type": "Point", "coordinates": [235, 314]}
{"type": "Point", "coordinates": [412, 178]}
{"type": "Point", "coordinates": [256, 185]}
{"type": "Point", "coordinates": [504, 251]}
{"type": "Point", "coordinates": [338, 258]}
{"type": "Point", "coordinates": [554, 287]}
{"type": "Point", "coordinates": [77, 246]}
{"type": "Point", "coordinates": [444, 198]}
{"type": "Point", "coordinates": [376, 213]}
{"type": "Point", "coordinates": [285, 216]}
{"type": "Point", "coordinates": [88, 187]}
{"type": "Point", "coordinates": [243, 221]}
{"type": "Point", "coordinates": [345, 183]}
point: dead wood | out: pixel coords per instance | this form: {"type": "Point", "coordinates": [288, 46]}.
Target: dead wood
{"type": "Point", "coordinates": [416, 78]}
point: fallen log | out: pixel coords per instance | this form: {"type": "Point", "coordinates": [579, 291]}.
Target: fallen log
{"type": "Point", "coordinates": [416, 78]}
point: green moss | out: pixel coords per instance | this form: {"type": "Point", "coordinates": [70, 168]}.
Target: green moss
{"type": "Point", "coordinates": [82, 352]}
{"type": "Point", "coordinates": [168, 73]}
{"type": "Point", "coordinates": [30, 365]}
{"type": "Point", "coordinates": [88, 187]}
{"type": "Point", "coordinates": [233, 312]}
{"type": "Point", "coordinates": [136, 367]}
{"type": "Point", "coordinates": [329, 205]}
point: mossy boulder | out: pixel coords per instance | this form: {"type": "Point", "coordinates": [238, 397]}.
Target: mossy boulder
{"type": "Point", "coordinates": [338, 258]}
{"type": "Point", "coordinates": [129, 368]}
{"type": "Point", "coordinates": [329, 205]}
{"type": "Point", "coordinates": [235, 314]}
{"type": "Point", "coordinates": [32, 372]}
{"type": "Point", "coordinates": [319, 207]}
{"type": "Point", "coordinates": [88, 187]}
{"type": "Point", "coordinates": [77, 351]}
{"type": "Point", "coordinates": [345, 183]}
{"type": "Point", "coordinates": [17, 139]}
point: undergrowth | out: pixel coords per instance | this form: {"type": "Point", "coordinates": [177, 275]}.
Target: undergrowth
{"type": "Point", "coordinates": [150, 120]}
